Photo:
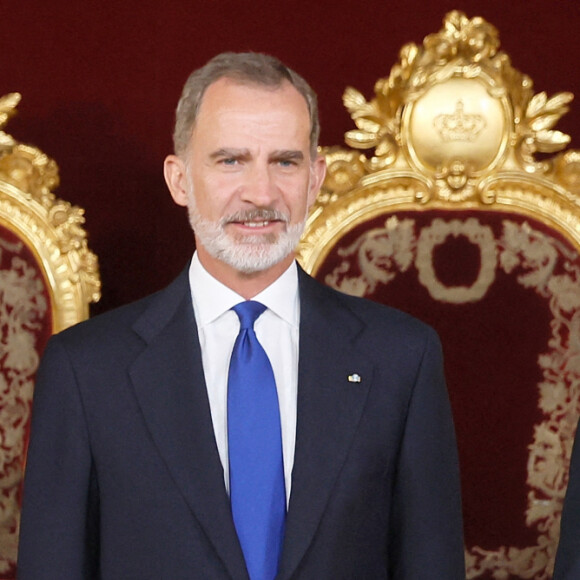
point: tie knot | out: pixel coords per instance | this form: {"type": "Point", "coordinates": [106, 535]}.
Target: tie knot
{"type": "Point", "coordinates": [248, 312]}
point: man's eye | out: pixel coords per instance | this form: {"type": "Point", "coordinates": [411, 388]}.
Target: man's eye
{"type": "Point", "coordinates": [286, 162]}
{"type": "Point", "coordinates": [229, 161]}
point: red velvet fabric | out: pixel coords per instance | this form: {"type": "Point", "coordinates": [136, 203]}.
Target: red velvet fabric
{"type": "Point", "coordinates": [100, 81]}
{"type": "Point", "coordinates": [492, 348]}
{"type": "Point", "coordinates": [25, 326]}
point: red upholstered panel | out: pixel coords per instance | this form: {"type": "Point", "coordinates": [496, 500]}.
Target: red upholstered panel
{"type": "Point", "coordinates": [503, 293]}
{"type": "Point", "coordinates": [25, 326]}
{"type": "Point", "coordinates": [100, 82]}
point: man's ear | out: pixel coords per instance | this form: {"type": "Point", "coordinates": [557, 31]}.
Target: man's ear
{"type": "Point", "coordinates": [317, 174]}
{"type": "Point", "coordinates": [175, 175]}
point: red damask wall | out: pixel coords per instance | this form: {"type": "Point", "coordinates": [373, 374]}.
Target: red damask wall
{"type": "Point", "coordinates": [100, 81]}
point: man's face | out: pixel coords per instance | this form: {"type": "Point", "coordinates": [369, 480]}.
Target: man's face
{"type": "Point", "coordinates": [248, 175]}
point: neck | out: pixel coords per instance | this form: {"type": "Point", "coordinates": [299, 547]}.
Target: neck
{"type": "Point", "coordinates": [244, 284]}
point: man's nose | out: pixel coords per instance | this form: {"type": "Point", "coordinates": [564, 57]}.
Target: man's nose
{"type": "Point", "coordinates": [260, 187]}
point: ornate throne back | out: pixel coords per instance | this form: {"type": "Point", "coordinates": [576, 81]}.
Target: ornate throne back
{"type": "Point", "coordinates": [451, 217]}
{"type": "Point", "coordinates": [48, 277]}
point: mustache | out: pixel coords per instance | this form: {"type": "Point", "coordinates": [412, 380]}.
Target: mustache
{"type": "Point", "coordinates": [257, 214]}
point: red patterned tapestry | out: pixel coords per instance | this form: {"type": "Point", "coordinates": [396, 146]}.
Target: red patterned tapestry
{"type": "Point", "coordinates": [503, 291]}
{"type": "Point", "coordinates": [25, 326]}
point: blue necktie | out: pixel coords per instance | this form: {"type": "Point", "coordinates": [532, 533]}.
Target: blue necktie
{"type": "Point", "coordinates": [257, 490]}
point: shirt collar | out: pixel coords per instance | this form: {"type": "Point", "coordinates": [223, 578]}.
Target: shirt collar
{"type": "Point", "coordinates": [211, 298]}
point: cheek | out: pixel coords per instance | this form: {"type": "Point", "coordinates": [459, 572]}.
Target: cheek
{"type": "Point", "coordinates": [297, 203]}
{"type": "Point", "coordinates": [212, 195]}
{"type": "Point", "coordinates": [298, 191]}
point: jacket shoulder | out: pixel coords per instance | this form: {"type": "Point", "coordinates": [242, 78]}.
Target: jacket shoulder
{"type": "Point", "coordinates": [127, 322]}
{"type": "Point", "coordinates": [374, 315]}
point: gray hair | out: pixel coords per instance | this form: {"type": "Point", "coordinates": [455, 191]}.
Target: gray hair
{"type": "Point", "coordinates": [247, 68]}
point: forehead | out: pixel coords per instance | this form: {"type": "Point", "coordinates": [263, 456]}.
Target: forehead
{"type": "Point", "coordinates": [228, 102]}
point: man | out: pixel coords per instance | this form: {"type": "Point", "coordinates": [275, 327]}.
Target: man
{"type": "Point", "coordinates": [133, 467]}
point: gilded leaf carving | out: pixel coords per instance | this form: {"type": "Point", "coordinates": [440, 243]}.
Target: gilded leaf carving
{"type": "Point", "coordinates": [456, 127]}
{"type": "Point", "coordinates": [33, 175]}
{"type": "Point", "coordinates": [64, 281]}
{"type": "Point", "coordinates": [463, 48]}
{"type": "Point", "coordinates": [8, 105]}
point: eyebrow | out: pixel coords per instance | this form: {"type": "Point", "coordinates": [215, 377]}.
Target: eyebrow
{"type": "Point", "coordinates": [289, 155]}
{"type": "Point", "coordinates": [281, 154]}
{"type": "Point", "coordinates": [226, 152]}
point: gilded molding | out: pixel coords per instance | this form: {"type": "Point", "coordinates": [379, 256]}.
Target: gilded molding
{"type": "Point", "coordinates": [53, 228]}
{"type": "Point", "coordinates": [455, 127]}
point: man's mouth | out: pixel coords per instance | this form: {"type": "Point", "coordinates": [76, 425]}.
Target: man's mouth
{"type": "Point", "coordinates": [257, 224]}
{"type": "Point", "coordinates": [257, 218]}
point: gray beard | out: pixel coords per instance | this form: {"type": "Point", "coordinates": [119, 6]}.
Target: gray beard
{"type": "Point", "coordinates": [248, 253]}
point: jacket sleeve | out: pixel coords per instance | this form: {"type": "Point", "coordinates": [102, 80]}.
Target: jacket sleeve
{"type": "Point", "coordinates": [59, 511]}
{"type": "Point", "coordinates": [426, 539]}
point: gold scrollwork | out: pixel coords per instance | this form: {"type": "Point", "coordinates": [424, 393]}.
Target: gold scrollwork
{"type": "Point", "coordinates": [51, 226]}
{"type": "Point", "coordinates": [507, 115]}
{"type": "Point", "coordinates": [52, 229]}
{"type": "Point", "coordinates": [456, 128]}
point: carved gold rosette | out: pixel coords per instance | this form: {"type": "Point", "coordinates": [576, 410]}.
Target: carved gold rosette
{"type": "Point", "coordinates": [455, 127]}
{"type": "Point", "coordinates": [60, 280]}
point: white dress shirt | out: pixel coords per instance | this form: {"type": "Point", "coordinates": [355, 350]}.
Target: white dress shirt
{"type": "Point", "coordinates": [277, 330]}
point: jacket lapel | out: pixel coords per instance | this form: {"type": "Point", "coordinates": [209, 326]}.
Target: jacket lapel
{"type": "Point", "coordinates": [330, 406]}
{"type": "Point", "coordinates": [170, 387]}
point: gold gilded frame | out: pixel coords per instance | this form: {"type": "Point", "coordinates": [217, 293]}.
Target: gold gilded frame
{"type": "Point", "coordinates": [456, 127]}
{"type": "Point", "coordinates": [50, 227]}
{"type": "Point", "coordinates": [52, 230]}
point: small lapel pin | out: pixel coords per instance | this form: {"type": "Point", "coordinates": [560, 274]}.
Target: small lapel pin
{"type": "Point", "coordinates": [354, 378]}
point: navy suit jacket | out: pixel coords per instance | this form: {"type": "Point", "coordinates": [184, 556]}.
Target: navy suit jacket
{"type": "Point", "coordinates": [124, 480]}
